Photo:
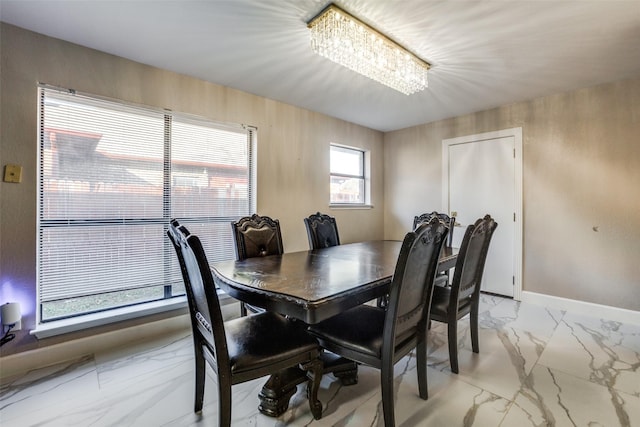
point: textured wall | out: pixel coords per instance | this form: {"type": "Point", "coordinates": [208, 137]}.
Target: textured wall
{"type": "Point", "coordinates": [293, 148]}
{"type": "Point", "coordinates": [581, 187]}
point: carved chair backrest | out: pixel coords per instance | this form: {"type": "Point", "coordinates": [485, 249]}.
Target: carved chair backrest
{"type": "Point", "coordinates": [322, 231]}
{"type": "Point", "coordinates": [257, 236]}
{"type": "Point", "coordinates": [426, 217]}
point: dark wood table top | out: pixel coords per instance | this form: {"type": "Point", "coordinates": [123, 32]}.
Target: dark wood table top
{"type": "Point", "coordinates": [316, 284]}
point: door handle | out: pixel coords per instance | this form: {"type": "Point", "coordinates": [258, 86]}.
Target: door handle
{"type": "Point", "coordinates": [455, 215]}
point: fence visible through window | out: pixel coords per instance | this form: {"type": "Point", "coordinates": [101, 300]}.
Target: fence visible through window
{"type": "Point", "coordinates": [111, 177]}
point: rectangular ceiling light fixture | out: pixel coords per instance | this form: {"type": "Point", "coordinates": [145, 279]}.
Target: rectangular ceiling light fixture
{"type": "Point", "coordinates": [346, 40]}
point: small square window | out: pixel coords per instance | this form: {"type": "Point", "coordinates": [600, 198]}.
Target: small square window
{"type": "Point", "coordinates": [347, 172]}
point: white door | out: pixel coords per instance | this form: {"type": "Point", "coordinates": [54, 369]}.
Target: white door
{"type": "Point", "coordinates": [482, 172]}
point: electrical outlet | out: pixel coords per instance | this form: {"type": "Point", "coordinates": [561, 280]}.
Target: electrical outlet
{"type": "Point", "coordinates": [13, 173]}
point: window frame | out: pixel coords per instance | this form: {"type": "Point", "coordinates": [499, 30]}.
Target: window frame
{"type": "Point", "coordinates": [365, 160]}
{"type": "Point", "coordinates": [132, 309]}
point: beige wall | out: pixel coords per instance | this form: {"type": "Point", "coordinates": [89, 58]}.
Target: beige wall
{"type": "Point", "coordinates": [581, 175]}
{"type": "Point", "coordinates": [293, 148]}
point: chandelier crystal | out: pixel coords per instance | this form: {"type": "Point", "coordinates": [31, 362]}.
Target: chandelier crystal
{"type": "Point", "coordinates": [344, 39]}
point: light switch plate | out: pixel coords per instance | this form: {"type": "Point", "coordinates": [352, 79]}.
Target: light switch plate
{"type": "Point", "coordinates": [13, 173]}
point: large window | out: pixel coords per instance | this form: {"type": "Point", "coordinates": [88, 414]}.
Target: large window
{"type": "Point", "coordinates": [347, 174]}
{"type": "Point", "coordinates": [111, 177]}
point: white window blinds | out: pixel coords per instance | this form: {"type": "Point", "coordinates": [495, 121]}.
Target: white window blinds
{"type": "Point", "coordinates": [111, 177]}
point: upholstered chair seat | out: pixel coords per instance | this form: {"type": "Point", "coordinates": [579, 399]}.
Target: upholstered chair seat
{"type": "Point", "coordinates": [366, 339]}
{"type": "Point", "coordinates": [253, 342]}
{"type": "Point", "coordinates": [440, 302]}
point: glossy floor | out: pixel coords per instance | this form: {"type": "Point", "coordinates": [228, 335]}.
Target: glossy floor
{"type": "Point", "coordinates": [537, 367]}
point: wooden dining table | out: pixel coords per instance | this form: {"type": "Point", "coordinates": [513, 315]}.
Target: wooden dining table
{"type": "Point", "coordinates": [312, 286]}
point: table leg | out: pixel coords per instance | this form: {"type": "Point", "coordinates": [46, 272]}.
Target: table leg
{"type": "Point", "coordinates": [277, 391]}
{"type": "Point", "coordinates": [275, 394]}
{"type": "Point", "coordinates": [344, 369]}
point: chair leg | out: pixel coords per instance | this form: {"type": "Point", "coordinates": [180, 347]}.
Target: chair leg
{"type": "Point", "coordinates": [474, 331]}
{"type": "Point", "coordinates": [453, 345]}
{"type": "Point", "coordinates": [421, 351]}
{"type": "Point", "coordinates": [314, 370]}
{"type": "Point", "coordinates": [224, 398]}
{"type": "Point", "coordinates": [386, 383]}
{"type": "Point", "coordinates": [200, 379]}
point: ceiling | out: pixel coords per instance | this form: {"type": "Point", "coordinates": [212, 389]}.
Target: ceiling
{"type": "Point", "coordinates": [483, 53]}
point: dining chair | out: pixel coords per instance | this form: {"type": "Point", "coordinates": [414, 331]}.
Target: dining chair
{"type": "Point", "coordinates": [322, 231]}
{"type": "Point", "coordinates": [380, 337]}
{"type": "Point", "coordinates": [244, 348]}
{"type": "Point", "coordinates": [450, 304]}
{"type": "Point", "coordinates": [256, 236]}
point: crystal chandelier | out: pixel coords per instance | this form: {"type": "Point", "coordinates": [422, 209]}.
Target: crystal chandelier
{"type": "Point", "coordinates": [344, 39]}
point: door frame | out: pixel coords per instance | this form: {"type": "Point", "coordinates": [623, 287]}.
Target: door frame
{"type": "Point", "coordinates": [516, 133]}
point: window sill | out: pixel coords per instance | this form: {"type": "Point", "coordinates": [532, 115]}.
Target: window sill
{"type": "Point", "coordinates": [349, 206]}
{"type": "Point", "coordinates": [64, 326]}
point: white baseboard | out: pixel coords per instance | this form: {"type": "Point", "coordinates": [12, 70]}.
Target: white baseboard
{"type": "Point", "coordinates": [19, 363]}
{"type": "Point", "coordinates": [581, 307]}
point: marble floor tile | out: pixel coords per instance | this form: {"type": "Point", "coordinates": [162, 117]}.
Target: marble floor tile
{"type": "Point", "coordinates": [539, 320]}
{"type": "Point", "coordinates": [488, 301]}
{"type": "Point", "coordinates": [506, 357]}
{"type": "Point", "coordinates": [601, 351]}
{"type": "Point", "coordinates": [536, 367]}
{"type": "Point", "coordinates": [553, 398]}
{"type": "Point", "coordinates": [148, 359]}
{"type": "Point", "coordinates": [48, 388]}
{"type": "Point", "coordinates": [453, 402]}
